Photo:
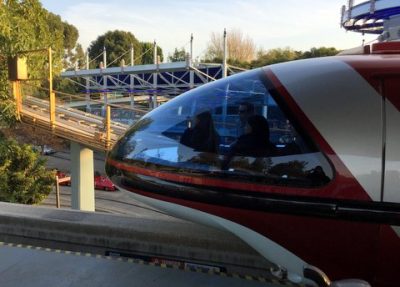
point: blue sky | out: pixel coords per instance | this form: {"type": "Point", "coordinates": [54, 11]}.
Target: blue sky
{"type": "Point", "coordinates": [299, 24]}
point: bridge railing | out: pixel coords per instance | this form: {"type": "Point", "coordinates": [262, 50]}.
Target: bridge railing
{"type": "Point", "coordinates": [91, 122]}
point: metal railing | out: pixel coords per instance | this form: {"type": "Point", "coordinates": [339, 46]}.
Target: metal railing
{"type": "Point", "coordinates": [53, 114]}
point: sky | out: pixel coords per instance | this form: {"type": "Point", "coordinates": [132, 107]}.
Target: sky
{"type": "Point", "coordinates": [298, 24]}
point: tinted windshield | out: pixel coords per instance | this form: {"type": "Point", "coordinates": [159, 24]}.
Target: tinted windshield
{"type": "Point", "coordinates": [229, 128]}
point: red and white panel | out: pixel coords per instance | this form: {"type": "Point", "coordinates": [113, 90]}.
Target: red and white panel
{"type": "Point", "coordinates": [345, 109]}
{"type": "Point", "coordinates": [392, 166]}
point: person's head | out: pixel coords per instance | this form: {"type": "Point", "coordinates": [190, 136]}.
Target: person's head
{"type": "Point", "coordinates": [204, 120]}
{"type": "Point", "coordinates": [246, 110]}
{"type": "Point", "coordinates": [257, 125]}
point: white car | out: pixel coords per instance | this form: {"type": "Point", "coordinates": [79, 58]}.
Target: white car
{"type": "Point", "coordinates": [47, 150]}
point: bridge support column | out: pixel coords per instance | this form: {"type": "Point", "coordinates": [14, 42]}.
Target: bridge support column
{"type": "Point", "coordinates": [82, 180]}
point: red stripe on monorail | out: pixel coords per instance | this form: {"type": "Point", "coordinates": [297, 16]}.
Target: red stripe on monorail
{"type": "Point", "coordinates": [200, 180]}
{"type": "Point", "coordinates": [331, 190]}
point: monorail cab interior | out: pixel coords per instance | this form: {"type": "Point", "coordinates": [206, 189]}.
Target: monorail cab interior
{"type": "Point", "coordinates": [203, 131]}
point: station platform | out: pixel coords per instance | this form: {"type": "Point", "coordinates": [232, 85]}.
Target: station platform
{"type": "Point", "coordinates": [36, 267]}
{"type": "Point", "coordinates": [60, 247]}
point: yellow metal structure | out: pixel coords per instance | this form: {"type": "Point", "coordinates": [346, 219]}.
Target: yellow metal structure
{"type": "Point", "coordinates": [108, 127]}
{"type": "Point", "coordinates": [52, 95]}
{"type": "Point", "coordinates": [17, 68]}
{"type": "Point", "coordinates": [89, 130]}
{"type": "Point", "coordinates": [52, 110]}
{"type": "Point", "coordinates": [16, 88]}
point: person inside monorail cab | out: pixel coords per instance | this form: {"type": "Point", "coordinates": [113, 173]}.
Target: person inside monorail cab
{"type": "Point", "coordinates": [198, 130]}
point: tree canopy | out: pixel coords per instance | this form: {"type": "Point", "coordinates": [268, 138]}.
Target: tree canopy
{"type": "Point", "coordinates": [25, 25]}
{"type": "Point", "coordinates": [148, 53]}
{"type": "Point", "coordinates": [241, 48]}
{"type": "Point", "coordinates": [178, 55]}
{"type": "Point", "coordinates": [116, 43]}
{"type": "Point", "coordinates": [23, 176]}
{"type": "Point", "coordinates": [242, 51]}
{"type": "Point", "coordinates": [274, 56]}
{"type": "Point", "coordinates": [320, 52]}
{"type": "Point", "coordinates": [279, 55]}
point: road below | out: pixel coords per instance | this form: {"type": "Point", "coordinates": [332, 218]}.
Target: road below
{"type": "Point", "coordinates": [116, 202]}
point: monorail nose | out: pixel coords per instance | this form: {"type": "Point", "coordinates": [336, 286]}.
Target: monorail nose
{"type": "Point", "coordinates": [232, 130]}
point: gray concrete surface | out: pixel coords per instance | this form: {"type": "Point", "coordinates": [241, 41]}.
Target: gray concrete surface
{"type": "Point", "coordinates": [98, 233]}
{"type": "Point", "coordinates": [61, 161]}
{"type": "Point", "coordinates": [37, 268]}
{"type": "Point", "coordinates": [116, 202]}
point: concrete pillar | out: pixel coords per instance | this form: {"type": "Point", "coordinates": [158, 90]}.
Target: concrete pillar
{"type": "Point", "coordinates": [82, 178]}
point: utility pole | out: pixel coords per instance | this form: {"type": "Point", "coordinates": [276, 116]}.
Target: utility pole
{"type": "Point", "coordinates": [154, 96]}
{"type": "Point", "coordinates": [105, 98]}
{"type": "Point", "coordinates": [58, 205]}
{"type": "Point", "coordinates": [87, 79]}
{"type": "Point", "coordinates": [225, 58]}
{"type": "Point", "coordinates": [132, 79]}
{"type": "Point", "coordinates": [191, 73]}
{"type": "Point", "coordinates": [52, 95]}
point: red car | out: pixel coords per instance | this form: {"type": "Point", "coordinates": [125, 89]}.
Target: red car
{"type": "Point", "coordinates": [104, 183]}
{"type": "Point", "coordinates": [100, 181]}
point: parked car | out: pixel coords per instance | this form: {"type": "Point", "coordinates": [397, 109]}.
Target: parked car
{"type": "Point", "coordinates": [100, 181]}
{"type": "Point", "coordinates": [104, 183]}
{"type": "Point", "coordinates": [45, 150]}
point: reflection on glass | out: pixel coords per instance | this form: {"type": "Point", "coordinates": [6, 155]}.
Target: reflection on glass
{"type": "Point", "coordinates": [231, 128]}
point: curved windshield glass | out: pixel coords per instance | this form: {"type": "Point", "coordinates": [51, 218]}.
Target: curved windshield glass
{"type": "Point", "coordinates": [229, 128]}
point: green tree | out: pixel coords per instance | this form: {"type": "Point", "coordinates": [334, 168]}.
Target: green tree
{"type": "Point", "coordinates": [24, 26]}
{"type": "Point", "coordinates": [148, 53]}
{"type": "Point", "coordinates": [274, 56]}
{"type": "Point", "coordinates": [116, 43]}
{"type": "Point", "coordinates": [279, 55]}
{"type": "Point", "coordinates": [320, 52]}
{"type": "Point", "coordinates": [23, 176]}
{"type": "Point", "coordinates": [25, 134]}
{"type": "Point", "coordinates": [178, 55]}
{"type": "Point", "coordinates": [69, 34]}
{"type": "Point", "coordinates": [79, 57]}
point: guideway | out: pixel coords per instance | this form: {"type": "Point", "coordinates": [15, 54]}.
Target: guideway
{"type": "Point", "coordinates": [21, 266]}
{"type": "Point", "coordinates": [151, 252]}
